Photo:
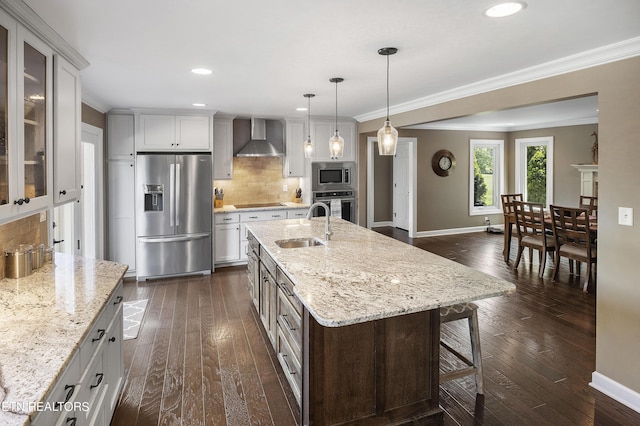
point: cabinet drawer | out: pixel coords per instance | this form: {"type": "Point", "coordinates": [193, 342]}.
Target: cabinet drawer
{"type": "Point", "coordinates": [286, 288]}
{"type": "Point", "coordinates": [263, 215]}
{"type": "Point", "coordinates": [221, 218]}
{"type": "Point", "coordinates": [268, 262]}
{"type": "Point", "coordinates": [297, 213]}
{"type": "Point", "coordinates": [65, 390]}
{"type": "Point", "coordinates": [92, 386]}
{"type": "Point", "coordinates": [292, 368]}
{"type": "Point", "coordinates": [291, 324]}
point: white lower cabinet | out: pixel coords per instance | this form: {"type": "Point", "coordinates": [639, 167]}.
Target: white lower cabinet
{"type": "Point", "coordinates": [87, 390]}
{"type": "Point", "coordinates": [231, 244]}
{"type": "Point", "coordinates": [227, 237]}
{"type": "Point", "coordinates": [121, 214]}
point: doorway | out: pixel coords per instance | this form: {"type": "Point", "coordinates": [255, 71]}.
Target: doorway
{"type": "Point", "coordinates": [78, 225]}
{"type": "Point", "coordinates": [404, 200]}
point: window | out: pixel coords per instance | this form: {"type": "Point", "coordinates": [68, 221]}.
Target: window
{"type": "Point", "coordinates": [486, 176]}
{"type": "Point", "coordinates": [534, 169]}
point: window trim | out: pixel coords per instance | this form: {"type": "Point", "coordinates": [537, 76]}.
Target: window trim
{"type": "Point", "coordinates": [498, 179]}
{"type": "Point", "coordinates": [520, 164]}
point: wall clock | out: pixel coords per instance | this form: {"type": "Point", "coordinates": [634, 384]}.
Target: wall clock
{"type": "Point", "coordinates": [443, 162]}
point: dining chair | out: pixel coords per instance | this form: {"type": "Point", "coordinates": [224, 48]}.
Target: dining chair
{"type": "Point", "coordinates": [509, 220]}
{"type": "Point", "coordinates": [531, 233]}
{"type": "Point", "coordinates": [574, 239]}
{"type": "Point", "coordinates": [589, 203]}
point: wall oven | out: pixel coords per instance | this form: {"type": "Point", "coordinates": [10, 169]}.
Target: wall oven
{"type": "Point", "coordinates": [333, 176]}
{"type": "Point", "coordinates": [345, 198]}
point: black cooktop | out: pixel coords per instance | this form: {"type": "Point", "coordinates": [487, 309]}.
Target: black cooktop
{"type": "Point", "coordinates": [255, 205]}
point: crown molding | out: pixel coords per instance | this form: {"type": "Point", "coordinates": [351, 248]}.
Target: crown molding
{"type": "Point", "coordinates": [35, 24]}
{"type": "Point", "coordinates": [602, 55]}
{"type": "Point", "coordinates": [482, 128]}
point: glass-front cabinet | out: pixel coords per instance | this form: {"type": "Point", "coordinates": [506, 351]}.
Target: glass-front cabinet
{"type": "Point", "coordinates": [26, 121]}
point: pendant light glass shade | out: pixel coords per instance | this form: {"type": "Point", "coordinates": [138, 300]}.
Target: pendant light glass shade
{"type": "Point", "coordinates": [387, 135]}
{"type": "Point", "coordinates": [336, 143]}
{"type": "Point", "coordinates": [387, 139]}
{"type": "Point", "coordinates": [308, 144]}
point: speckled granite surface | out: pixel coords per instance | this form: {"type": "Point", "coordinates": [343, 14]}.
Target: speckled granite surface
{"type": "Point", "coordinates": [361, 275]}
{"type": "Point", "coordinates": [43, 319]}
{"type": "Point", "coordinates": [285, 206]}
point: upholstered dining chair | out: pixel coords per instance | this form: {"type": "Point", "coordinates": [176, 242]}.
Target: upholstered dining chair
{"type": "Point", "coordinates": [574, 239]}
{"type": "Point", "coordinates": [589, 203]}
{"type": "Point", "coordinates": [531, 233]}
{"type": "Point", "coordinates": [509, 220]}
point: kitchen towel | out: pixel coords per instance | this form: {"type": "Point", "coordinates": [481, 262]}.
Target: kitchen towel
{"type": "Point", "coordinates": [336, 208]}
{"type": "Point", "coordinates": [132, 314]}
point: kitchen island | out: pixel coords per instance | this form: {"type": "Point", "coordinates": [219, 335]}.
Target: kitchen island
{"type": "Point", "coordinates": [60, 350]}
{"type": "Point", "coordinates": [365, 346]}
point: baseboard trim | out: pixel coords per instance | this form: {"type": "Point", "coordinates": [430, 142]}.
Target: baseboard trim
{"type": "Point", "coordinates": [452, 231]}
{"type": "Point", "coordinates": [383, 223]}
{"type": "Point", "coordinates": [615, 390]}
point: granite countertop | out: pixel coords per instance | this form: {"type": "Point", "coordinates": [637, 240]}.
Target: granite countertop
{"type": "Point", "coordinates": [361, 275]}
{"type": "Point", "coordinates": [230, 208]}
{"type": "Point", "coordinates": [44, 318]}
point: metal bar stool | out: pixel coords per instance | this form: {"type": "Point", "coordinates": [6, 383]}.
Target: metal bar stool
{"type": "Point", "coordinates": [458, 312]}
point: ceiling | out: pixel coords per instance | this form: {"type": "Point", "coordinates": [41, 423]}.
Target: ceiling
{"type": "Point", "coordinates": [266, 54]}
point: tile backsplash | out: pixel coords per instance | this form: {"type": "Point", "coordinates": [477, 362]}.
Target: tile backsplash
{"type": "Point", "coordinates": [257, 180]}
{"type": "Point", "coordinates": [28, 230]}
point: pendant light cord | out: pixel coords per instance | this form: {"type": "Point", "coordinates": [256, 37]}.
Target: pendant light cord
{"type": "Point", "coordinates": [309, 116]}
{"type": "Point", "coordinates": [336, 105]}
{"type": "Point", "coordinates": [387, 87]}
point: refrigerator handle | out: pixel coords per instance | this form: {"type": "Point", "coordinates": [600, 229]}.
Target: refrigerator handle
{"type": "Point", "coordinates": [172, 175]}
{"type": "Point", "coordinates": [178, 194]}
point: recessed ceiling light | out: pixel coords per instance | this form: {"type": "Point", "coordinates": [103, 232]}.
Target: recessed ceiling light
{"type": "Point", "coordinates": [301, 109]}
{"type": "Point", "coordinates": [201, 71]}
{"type": "Point", "coordinates": [199, 105]}
{"type": "Point", "coordinates": [505, 9]}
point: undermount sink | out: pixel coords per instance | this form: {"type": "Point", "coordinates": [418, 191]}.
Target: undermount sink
{"type": "Point", "coordinates": [300, 242]}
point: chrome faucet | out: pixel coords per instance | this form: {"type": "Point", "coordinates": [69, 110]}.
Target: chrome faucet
{"type": "Point", "coordinates": [327, 223]}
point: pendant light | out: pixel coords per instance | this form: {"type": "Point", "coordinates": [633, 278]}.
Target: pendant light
{"type": "Point", "coordinates": [308, 144]}
{"type": "Point", "coordinates": [387, 135]}
{"type": "Point", "coordinates": [336, 143]}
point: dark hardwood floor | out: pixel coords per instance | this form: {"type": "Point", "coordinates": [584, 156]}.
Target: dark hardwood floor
{"type": "Point", "coordinates": [202, 356]}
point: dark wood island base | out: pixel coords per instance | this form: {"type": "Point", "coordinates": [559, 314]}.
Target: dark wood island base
{"type": "Point", "coordinates": [381, 372]}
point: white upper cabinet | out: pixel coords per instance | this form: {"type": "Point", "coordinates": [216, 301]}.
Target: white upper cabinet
{"type": "Point", "coordinates": [25, 159]}
{"type": "Point", "coordinates": [293, 165]}
{"type": "Point", "coordinates": [159, 132]}
{"type": "Point", "coordinates": [120, 131]}
{"type": "Point", "coordinates": [193, 132]}
{"type": "Point", "coordinates": [67, 131]}
{"type": "Point", "coordinates": [223, 148]}
{"type": "Point", "coordinates": [37, 166]}
{"type": "Point", "coordinates": [322, 130]}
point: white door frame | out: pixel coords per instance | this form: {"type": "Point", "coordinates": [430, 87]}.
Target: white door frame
{"type": "Point", "coordinates": [413, 182]}
{"type": "Point", "coordinates": [94, 135]}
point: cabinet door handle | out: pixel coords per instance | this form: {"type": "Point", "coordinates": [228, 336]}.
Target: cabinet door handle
{"type": "Point", "coordinates": [63, 192]}
{"type": "Point", "coordinates": [67, 397]}
{"type": "Point", "coordinates": [99, 376]}
{"type": "Point", "coordinates": [113, 339]}
{"type": "Point", "coordinates": [21, 201]}
{"type": "Point", "coordinates": [100, 335]}
{"type": "Point", "coordinates": [284, 358]}
{"type": "Point", "coordinates": [118, 300]}
{"type": "Point", "coordinates": [71, 421]}
{"type": "Point", "coordinates": [286, 322]}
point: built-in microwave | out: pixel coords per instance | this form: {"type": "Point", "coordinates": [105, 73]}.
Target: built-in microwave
{"type": "Point", "coordinates": [333, 175]}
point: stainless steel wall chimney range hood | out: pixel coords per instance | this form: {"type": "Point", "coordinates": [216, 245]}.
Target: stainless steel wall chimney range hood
{"type": "Point", "coordinates": [258, 145]}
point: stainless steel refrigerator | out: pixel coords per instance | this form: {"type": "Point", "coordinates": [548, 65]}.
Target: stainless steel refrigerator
{"type": "Point", "coordinates": [173, 214]}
